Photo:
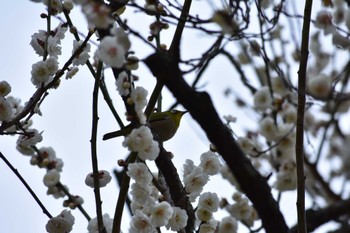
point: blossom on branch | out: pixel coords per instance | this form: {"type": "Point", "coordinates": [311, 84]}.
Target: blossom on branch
{"type": "Point", "coordinates": [6, 109]}
{"type": "Point", "coordinates": [178, 220]}
{"type": "Point", "coordinates": [141, 140]}
{"type": "Point", "coordinates": [51, 178]}
{"type": "Point", "coordinates": [5, 88]}
{"type": "Point", "coordinates": [63, 223]}
{"type": "Point", "coordinates": [161, 214]}
{"type": "Point", "coordinates": [83, 56]}
{"type": "Point", "coordinates": [107, 222]}
{"type": "Point", "coordinates": [103, 176]}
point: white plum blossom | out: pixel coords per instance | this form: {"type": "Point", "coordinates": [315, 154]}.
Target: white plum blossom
{"type": "Point", "coordinates": [241, 210]}
{"type": "Point", "coordinates": [204, 214]}
{"type": "Point", "coordinates": [324, 21]}
{"type": "Point", "coordinates": [40, 74]}
{"type": "Point", "coordinates": [141, 140]}
{"type": "Point", "coordinates": [139, 97]}
{"type": "Point", "coordinates": [71, 72]}
{"type": "Point", "coordinates": [262, 98]}
{"type": "Point", "coordinates": [178, 220]}
{"type": "Point", "coordinates": [195, 181]}
{"type": "Point", "coordinates": [279, 86]}
{"type": "Point", "coordinates": [97, 14]}
{"type": "Point", "coordinates": [188, 167]}
{"type": "Point", "coordinates": [83, 56]}
{"type": "Point", "coordinates": [17, 107]}
{"type": "Point", "coordinates": [107, 222]}
{"type": "Point", "coordinates": [138, 139]}
{"type": "Point", "coordinates": [31, 138]}
{"type": "Point", "coordinates": [289, 114]}
{"type": "Point", "coordinates": [50, 161]}
{"type": "Point", "coordinates": [228, 225]}
{"type": "Point", "coordinates": [139, 172]}
{"type": "Point", "coordinates": [209, 201]}
{"type": "Point", "coordinates": [68, 5]}
{"type": "Point", "coordinates": [145, 207]}
{"type": "Point", "coordinates": [24, 150]}
{"type": "Point", "coordinates": [56, 6]}
{"type": "Point", "coordinates": [43, 71]}
{"type": "Point", "coordinates": [286, 177]}
{"type": "Point", "coordinates": [140, 223]}
{"type": "Point", "coordinates": [51, 178]}
{"type": "Point", "coordinates": [38, 42]}
{"type": "Point", "coordinates": [123, 84]}
{"type": "Point", "coordinates": [122, 37]}
{"type": "Point", "coordinates": [161, 214]}
{"type": "Point", "coordinates": [151, 152]}
{"type": "Point", "coordinates": [56, 192]}
{"type": "Point", "coordinates": [53, 48]}
{"type": "Point", "coordinates": [6, 109]}
{"type": "Point", "coordinates": [320, 86]}
{"type": "Point", "coordinates": [268, 128]}
{"type": "Point", "coordinates": [53, 42]}
{"type": "Point", "coordinates": [246, 144]}
{"type": "Point", "coordinates": [111, 52]}
{"type": "Point", "coordinates": [285, 137]}
{"type": "Point", "coordinates": [59, 32]}
{"type": "Point", "coordinates": [103, 176]}
{"type": "Point", "coordinates": [52, 65]}
{"type": "Point", "coordinates": [208, 227]}
{"type": "Point", "coordinates": [63, 223]}
{"type": "Point", "coordinates": [210, 163]}
{"type": "Point", "coordinates": [140, 192]}
{"type": "Point", "coordinates": [5, 88]}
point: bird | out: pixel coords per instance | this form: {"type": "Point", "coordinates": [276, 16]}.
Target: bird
{"type": "Point", "coordinates": [162, 124]}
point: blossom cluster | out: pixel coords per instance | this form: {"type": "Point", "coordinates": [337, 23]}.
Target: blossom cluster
{"type": "Point", "coordinates": [241, 209]}
{"type": "Point", "coordinates": [148, 213]}
{"type": "Point", "coordinates": [61, 223]}
{"type": "Point", "coordinates": [107, 223]}
{"type": "Point", "coordinates": [141, 140]}
{"type": "Point", "coordinates": [195, 177]}
{"type": "Point", "coordinates": [8, 105]}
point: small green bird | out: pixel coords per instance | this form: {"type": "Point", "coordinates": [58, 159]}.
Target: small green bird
{"type": "Point", "coordinates": [163, 124]}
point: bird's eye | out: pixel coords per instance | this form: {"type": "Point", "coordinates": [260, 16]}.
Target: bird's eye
{"type": "Point", "coordinates": [173, 111]}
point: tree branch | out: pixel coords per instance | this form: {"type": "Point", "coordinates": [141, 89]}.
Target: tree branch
{"type": "Point", "coordinates": [176, 189]}
{"type": "Point", "coordinates": [316, 218]}
{"type": "Point", "coordinates": [201, 108]}
{"type": "Point", "coordinates": [299, 145]}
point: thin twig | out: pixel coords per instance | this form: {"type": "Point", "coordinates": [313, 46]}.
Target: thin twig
{"type": "Point", "coordinates": [94, 161]}
{"type": "Point", "coordinates": [14, 170]}
{"type": "Point", "coordinates": [124, 187]}
{"type": "Point", "coordinates": [299, 148]}
{"type": "Point", "coordinates": [41, 91]}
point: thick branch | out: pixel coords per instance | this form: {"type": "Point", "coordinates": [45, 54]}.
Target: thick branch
{"type": "Point", "coordinates": [316, 218]}
{"type": "Point", "coordinates": [176, 189]}
{"type": "Point", "coordinates": [201, 108]}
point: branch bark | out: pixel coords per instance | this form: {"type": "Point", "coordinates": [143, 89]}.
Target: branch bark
{"type": "Point", "coordinates": [299, 145]}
